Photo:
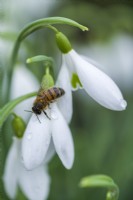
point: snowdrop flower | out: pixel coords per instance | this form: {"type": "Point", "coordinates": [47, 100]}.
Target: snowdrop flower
{"type": "Point", "coordinates": [34, 184]}
{"type": "Point", "coordinates": [65, 103]}
{"type": "Point", "coordinates": [37, 138]}
{"type": "Point", "coordinates": [96, 83]}
{"type": "Point", "coordinates": [23, 82]}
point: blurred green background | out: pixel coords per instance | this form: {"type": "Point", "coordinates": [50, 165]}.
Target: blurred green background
{"type": "Point", "coordinates": [103, 138]}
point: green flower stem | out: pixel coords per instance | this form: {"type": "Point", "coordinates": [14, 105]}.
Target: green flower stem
{"type": "Point", "coordinates": [7, 109]}
{"type": "Point", "coordinates": [102, 181]}
{"type": "Point", "coordinates": [39, 24]}
{"type": "Point", "coordinates": [40, 58]}
{"type": "Point", "coordinates": [47, 62]}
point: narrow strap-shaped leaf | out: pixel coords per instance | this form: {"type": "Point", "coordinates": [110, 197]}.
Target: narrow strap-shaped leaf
{"type": "Point", "coordinates": [7, 109]}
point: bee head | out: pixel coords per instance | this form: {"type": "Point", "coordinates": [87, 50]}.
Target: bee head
{"type": "Point", "coordinates": [37, 109]}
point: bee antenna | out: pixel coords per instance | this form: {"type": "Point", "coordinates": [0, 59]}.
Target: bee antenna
{"type": "Point", "coordinates": [38, 118]}
{"type": "Point", "coordinates": [28, 111]}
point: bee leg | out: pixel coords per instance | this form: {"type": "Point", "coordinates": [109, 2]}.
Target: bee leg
{"type": "Point", "coordinates": [46, 115]}
{"type": "Point", "coordinates": [38, 119]}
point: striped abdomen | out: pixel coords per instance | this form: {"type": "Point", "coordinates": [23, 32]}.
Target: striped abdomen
{"type": "Point", "coordinates": [53, 93]}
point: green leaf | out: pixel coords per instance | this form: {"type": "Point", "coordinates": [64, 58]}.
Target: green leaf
{"type": "Point", "coordinates": [7, 109]}
{"type": "Point", "coordinates": [8, 36]}
{"type": "Point", "coordinates": [102, 181]}
{"type": "Point", "coordinates": [47, 61]}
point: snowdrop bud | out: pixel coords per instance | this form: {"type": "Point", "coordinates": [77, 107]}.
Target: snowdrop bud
{"type": "Point", "coordinates": [63, 43]}
{"type": "Point", "coordinates": [18, 126]}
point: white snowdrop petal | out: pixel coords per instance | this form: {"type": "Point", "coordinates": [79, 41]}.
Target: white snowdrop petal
{"type": "Point", "coordinates": [97, 84]}
{"type": "Point", "coordinates": [35, 184]}
{"type": "Point", "coordinates": [36, 141]}
{"type": "Point", "coordinates": [65, 102]}
{"type": "Point", "coordinates": [11, 169]}
{"type": "Point", "coordinates": [23, 82]}
{"type": "Point", "coordinates": [50, 153]}
{"type": "Point", "coordinates": [62, 139]}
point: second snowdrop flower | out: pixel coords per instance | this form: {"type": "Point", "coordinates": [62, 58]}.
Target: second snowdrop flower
{"type": "Point", "coordinates": [96, 83]}
{"type": "Point", "coordinates": [47, 125]}
{"type": "Point", "coordinates": [34, 184]}
{"type": "Point", "coordinates": [38, 136]}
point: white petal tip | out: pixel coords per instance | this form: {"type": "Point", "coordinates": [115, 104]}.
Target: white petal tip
{"type": "Point", "coordinates": [123, 104]}
{"type": "Point", "coordinates": [69, 166]}
{"type": "Point", "coordinates": [67, 159]}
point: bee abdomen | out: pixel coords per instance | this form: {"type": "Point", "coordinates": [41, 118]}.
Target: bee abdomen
{"type": "Point", "coordinates": [58, 92]}
{"type": "Point", "coordinates": [55, 92]}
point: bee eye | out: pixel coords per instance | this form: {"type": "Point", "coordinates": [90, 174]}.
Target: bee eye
{"type": "Point", "coordinates": [36, 110]}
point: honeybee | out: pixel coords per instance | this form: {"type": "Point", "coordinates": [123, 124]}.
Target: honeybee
{"type": "Point", "coordinates": [44, 98]}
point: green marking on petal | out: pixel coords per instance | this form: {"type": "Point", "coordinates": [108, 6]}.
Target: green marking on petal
{"type": "Point", "coordinates": [75, 82]}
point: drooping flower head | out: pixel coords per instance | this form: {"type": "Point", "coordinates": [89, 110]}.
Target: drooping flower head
{"type": "Point", "coordinates": [34, 184]}
{"type": "Point", "coordinates": [52, 129]}
{"type": "Point", "coordinates": [95, 82]}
